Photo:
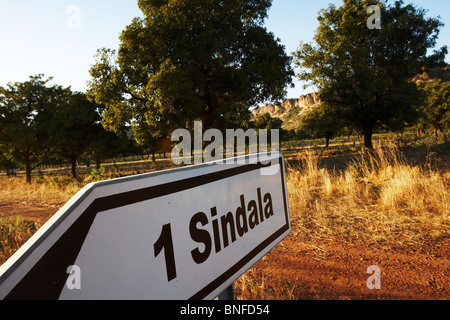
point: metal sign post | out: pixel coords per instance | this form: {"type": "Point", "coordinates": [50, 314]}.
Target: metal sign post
{"type": "Point", "coordinates": [227, 294]}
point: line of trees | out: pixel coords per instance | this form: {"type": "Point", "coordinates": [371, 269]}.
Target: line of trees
{"type": "Point", "coordinates": [431, 113]}
{"type": "Point", "coordinates": [212, 60]}
{"type": "Point", "coordinates": [41, 123]}
{"type": "Point", "coordinates": [364, 76]}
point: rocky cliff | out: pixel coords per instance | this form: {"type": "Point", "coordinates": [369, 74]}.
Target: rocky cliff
{"type": "Point", "coordinates": [442, 74]}
{"type": "Point", "coordinates": [291, 110]}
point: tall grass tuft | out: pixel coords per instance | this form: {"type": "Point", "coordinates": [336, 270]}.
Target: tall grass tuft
{"type": "Point", "coordinates": [379, 198]}
{"type": "Point", "coordinates": [14, 232]}
{"type": "Point", "coordinates": [52, 191]}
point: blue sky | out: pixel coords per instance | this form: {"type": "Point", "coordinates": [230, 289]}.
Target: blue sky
{"type": "Point", "coordinates": [59, 38]}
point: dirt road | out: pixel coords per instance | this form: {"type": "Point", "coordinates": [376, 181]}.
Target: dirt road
{"type": "Point", "coordinates": [38, 215]}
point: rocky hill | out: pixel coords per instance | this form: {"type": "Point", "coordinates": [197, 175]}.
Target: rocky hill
{"type": "Point", "coordinates": [442, 74]}
{"type": "Point", "coordinates": [291, 110]}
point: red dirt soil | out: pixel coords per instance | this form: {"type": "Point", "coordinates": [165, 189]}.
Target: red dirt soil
{"type": "Point", "coordinates": [325, 270]}
{"type": "Point", "coordinates": [38, 215]}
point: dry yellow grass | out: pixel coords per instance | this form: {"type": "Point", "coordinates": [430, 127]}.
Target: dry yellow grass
{"type": "Point", "coordinates": [379, 198]}
{"type": "Point", "coordinates": [50, 192]}
{"type": "Point", "coordinates": [13, 234]}
{"type": "Point", "coordinates": [54, 190]}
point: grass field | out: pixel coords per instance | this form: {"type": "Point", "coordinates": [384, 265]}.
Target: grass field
{"type": "Point", "coordinates": [386, 200]}
{"type": "Point", "coordinates": [382, 201]}
{"type": "Point", "coordinates": [379, 198]}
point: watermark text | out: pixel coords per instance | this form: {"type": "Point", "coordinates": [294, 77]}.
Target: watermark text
{"type": "Point", "coordinates": [374, 21]}
{"type": "Point", "coordinates": [235, 146]}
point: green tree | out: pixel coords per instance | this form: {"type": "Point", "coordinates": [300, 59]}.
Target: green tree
{"type": "Point", "coordinates": [322, 122]}
{"type": "Point", "coordinates": [436, 108]}
{"type": "Point", "coordinates": [25, 115]}
{"type": "Point", "coordinates": [74, 124]}
{"type": "Point", "coordinates": [366, 73]}
{"type": "Point", "coordinates": [189, 60]}
{"type": "Point", "coordinates": [144, 138]}
{"type": "Point", "coordinates": [6, 161]}
{"type": "Point", "coordinates": [107, 145]}
{"type": "Point", "coordinates": [267, 122]}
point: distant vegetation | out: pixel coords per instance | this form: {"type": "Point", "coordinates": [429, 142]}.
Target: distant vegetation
{"type": "Point", "coordinates": [213, 61]}
{"type": "Point", "coordinates": [364, 75]}
{"type": "Point", "coordinates": [307, 119]}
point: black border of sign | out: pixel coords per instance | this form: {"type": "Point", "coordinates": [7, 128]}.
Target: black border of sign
{"type": "Point", "coordinates": [46, 279]}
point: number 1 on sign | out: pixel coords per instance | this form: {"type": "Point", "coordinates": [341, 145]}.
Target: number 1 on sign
{"type": "Point", "coordinates": [165, 242]}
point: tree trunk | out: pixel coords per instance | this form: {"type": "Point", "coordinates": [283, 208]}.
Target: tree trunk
{"type": "Point", "coordinates": [98, 162]}
{"type": "Point", "coordinates": [73, 160]}
{"type": "Point", "coordinates": [368, 133]}
{"type": "Point", "coordinates": [28, 170]}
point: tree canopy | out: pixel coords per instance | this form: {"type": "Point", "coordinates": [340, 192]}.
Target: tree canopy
{"type": "Point", "coordinates": [41, 123]}
{"type": "Point", "coordinates": [322, 121]}
{"type": "Point", "coordinates": [25, 114]}
{"type": "Point", "coordinates": [73, 127]}
{"type": "Point", "coordinates": [366, 73]}
{"type": "Point", "coordinates": [435, 111]}
{"type": "Point", "coordinates": [189, 60]}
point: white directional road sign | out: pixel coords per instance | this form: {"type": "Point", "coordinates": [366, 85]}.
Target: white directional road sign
{"type": "Point", "coordinates": [180, 234]}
